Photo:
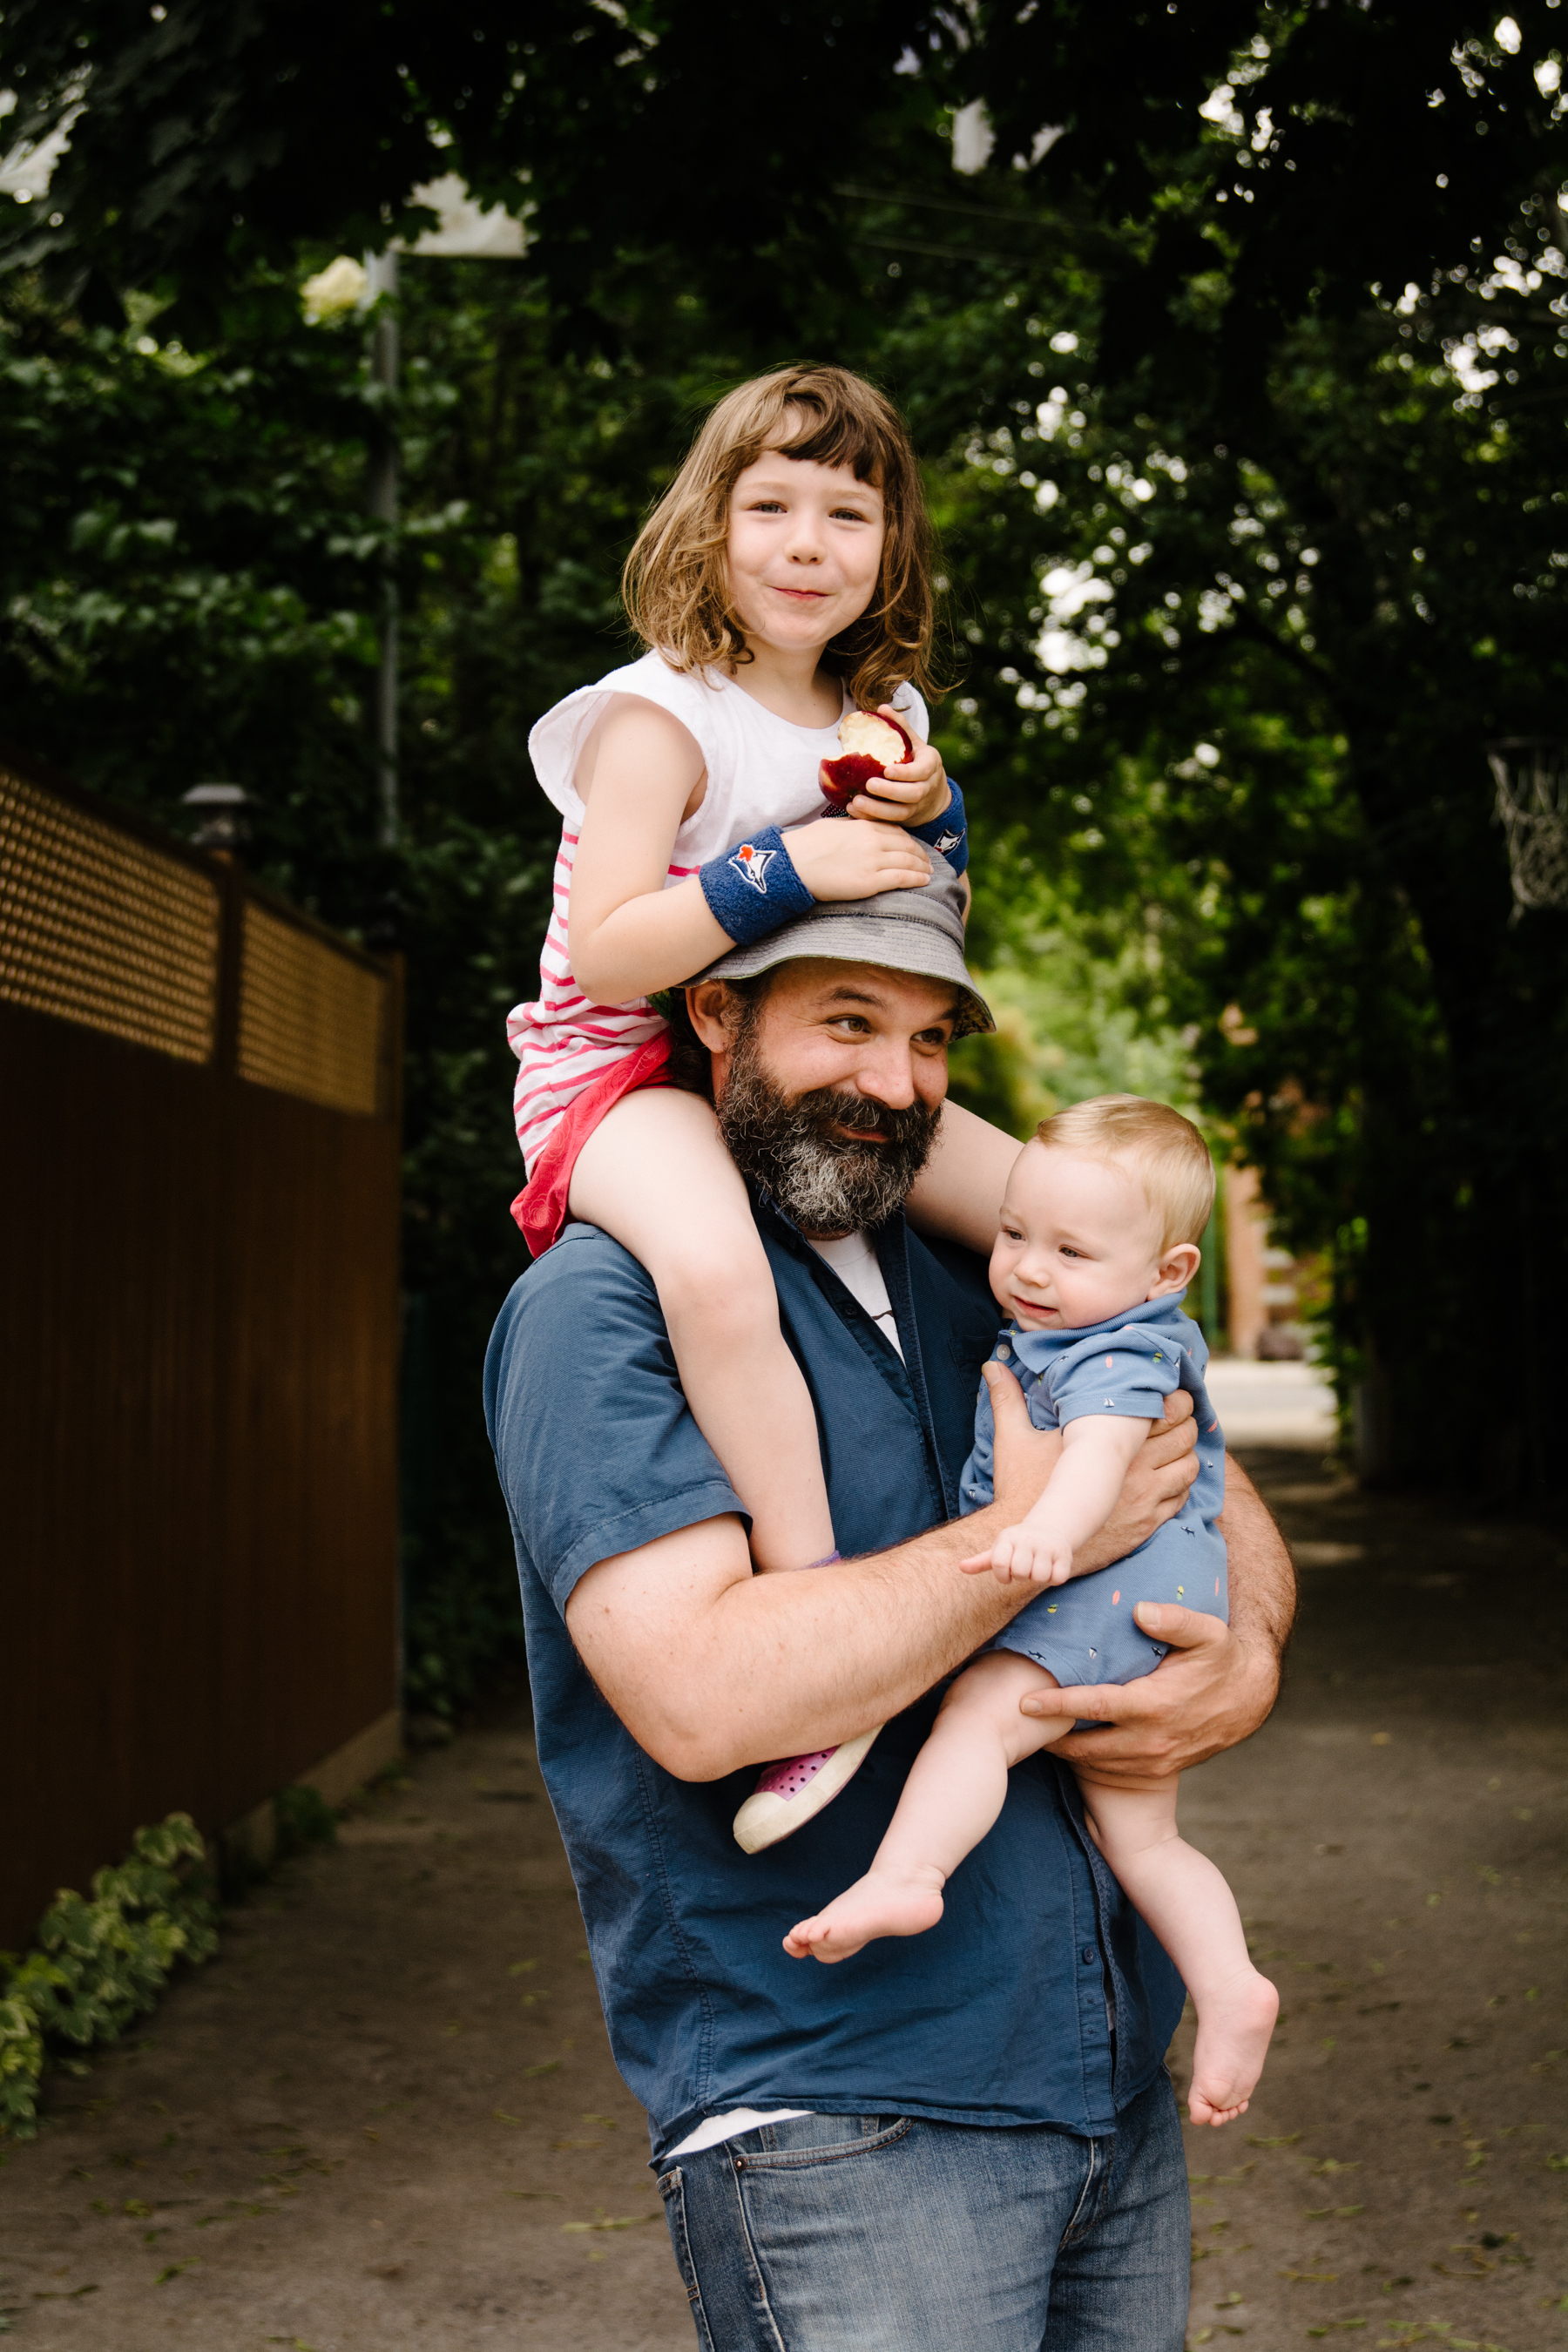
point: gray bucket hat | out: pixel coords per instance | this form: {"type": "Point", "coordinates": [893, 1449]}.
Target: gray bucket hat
{"type": "Point", "coordinates": [904, 930]}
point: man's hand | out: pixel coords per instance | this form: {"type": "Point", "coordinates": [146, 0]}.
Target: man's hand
{"type": "Point", "coordinates": [1219, 1681]}
{"type": "Point", "coordinates": [1154, 1490]}
{"type": "Point", "coordinates": [1213, 1690]}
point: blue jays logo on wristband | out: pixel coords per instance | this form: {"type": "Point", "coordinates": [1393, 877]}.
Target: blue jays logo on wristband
{"type": "Point", "coordinates": [752, 887]}
{"type": "Point", "coordinates": [947, 841]}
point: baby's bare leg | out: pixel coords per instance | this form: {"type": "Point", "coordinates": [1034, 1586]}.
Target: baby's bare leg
{"type": "Point", "coordinates": [655, 1175]}
{"type": "Point", "coordinates": [1185, 1900]}
{"type": "Point", "coordinates": [956, 1788]}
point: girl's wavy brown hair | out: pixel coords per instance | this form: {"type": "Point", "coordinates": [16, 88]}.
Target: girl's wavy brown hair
{"type": "Point", "coordinates": [676, 583]}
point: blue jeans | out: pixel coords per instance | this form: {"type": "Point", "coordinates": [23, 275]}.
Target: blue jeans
{"type": "Point", "coordinates": [882, 2233]}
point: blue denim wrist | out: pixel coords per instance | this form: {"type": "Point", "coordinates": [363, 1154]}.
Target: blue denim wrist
{"type": "Point", "coordinates": [752, 890]}
{"type": "Point", "coordinates": [949, 832]}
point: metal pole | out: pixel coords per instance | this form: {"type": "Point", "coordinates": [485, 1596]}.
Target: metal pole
{"type": "Point", "coordinates": [381, 278]}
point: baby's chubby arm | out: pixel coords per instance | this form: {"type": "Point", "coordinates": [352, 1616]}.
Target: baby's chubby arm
{"type": "Point", "coordinates": [639, 776]}
{"type": "Point", "coordinates": [1098, 1450]}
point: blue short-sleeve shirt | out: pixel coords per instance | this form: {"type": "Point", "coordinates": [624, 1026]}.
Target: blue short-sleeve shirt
{"type": "Point", "coordinates": [1040, 1997]}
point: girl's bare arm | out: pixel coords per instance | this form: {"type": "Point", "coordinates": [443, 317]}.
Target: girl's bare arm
{"type": "Point", "coordinates": [641, 774]}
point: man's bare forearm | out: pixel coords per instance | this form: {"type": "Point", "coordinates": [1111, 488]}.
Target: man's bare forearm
{"type": "Point", "coordinates": [710, 1668]}
{"type": "Point", "coordinates": [1220, 1680]}
{"type": "Point", "coordinates": [1261, 1577]}
{"type": "Point", "coordinates": [758, 1666]}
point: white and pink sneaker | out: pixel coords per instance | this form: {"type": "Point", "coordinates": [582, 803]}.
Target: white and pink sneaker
{"type": "Point", "coordinates": [792, 1791]}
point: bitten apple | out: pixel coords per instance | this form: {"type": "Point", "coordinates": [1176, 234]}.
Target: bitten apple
{"type": "Point", "coordinates": [871, 746]}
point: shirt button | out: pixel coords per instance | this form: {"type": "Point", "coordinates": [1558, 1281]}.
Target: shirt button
{"type": "Point", "coordinates": [1088, 1955]}
{"type": "Point", "coordinates": [1003, 1354]}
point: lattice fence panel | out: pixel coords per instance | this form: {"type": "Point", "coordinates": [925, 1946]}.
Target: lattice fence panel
{"type": "Point", "coordinates": [98, 929]}
{"type": "Point", "coordinates": [311, 1022]}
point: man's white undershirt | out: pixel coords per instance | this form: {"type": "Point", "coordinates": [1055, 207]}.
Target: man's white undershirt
{"type": "Point", "coordinates": [854, 1261]}
{"type": "Point", "coordinates": [714, 2129]}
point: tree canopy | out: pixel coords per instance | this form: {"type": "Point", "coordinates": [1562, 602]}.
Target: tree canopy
{"type": "Point", "coordinates": [1237, 368]}
{"type": "Point", "coordinates": [207, 139]}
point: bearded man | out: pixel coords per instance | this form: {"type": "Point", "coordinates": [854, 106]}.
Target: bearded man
{"type": "Point", "coordinates": [963, 2139]}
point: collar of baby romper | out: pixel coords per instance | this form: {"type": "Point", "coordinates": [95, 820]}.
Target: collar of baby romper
{"type": "Point", "coordinates": [1036, 1349]}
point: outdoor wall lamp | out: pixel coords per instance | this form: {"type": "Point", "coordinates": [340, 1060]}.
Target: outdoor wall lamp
{"type": "Point", "coordinates": [224, 824]}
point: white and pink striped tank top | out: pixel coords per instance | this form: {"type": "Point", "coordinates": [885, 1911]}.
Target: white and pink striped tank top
{"type": "Point", "coordinates": [761, 769]}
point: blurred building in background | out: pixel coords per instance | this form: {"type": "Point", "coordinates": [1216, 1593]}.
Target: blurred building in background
{"type": "Point", "coordinates": [1268, 1290]}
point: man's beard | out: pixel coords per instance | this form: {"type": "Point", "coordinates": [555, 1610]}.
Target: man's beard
{"type": "Point", "coordinates": [824, 1180]}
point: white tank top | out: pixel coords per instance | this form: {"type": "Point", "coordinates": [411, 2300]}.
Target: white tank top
{"type": "Point", "coordinates": [761, 769]}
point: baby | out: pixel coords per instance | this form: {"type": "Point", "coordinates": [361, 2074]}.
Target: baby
{"type": "Point", "coordinates": [1097, 1245]}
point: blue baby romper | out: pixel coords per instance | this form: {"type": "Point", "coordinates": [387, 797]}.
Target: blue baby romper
{"type": "Point", "coordinates": [1083, 1631]}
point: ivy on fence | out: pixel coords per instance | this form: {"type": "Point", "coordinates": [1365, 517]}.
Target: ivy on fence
{"type": "Point", "coordinates": [99, 1963]}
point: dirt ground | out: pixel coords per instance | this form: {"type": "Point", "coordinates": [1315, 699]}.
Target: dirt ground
{"type": "Point", "coordinates": [386, 2115]}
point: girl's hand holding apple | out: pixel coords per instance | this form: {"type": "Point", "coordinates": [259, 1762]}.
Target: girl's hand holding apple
{"type": "Point", "coordinates": [872, 781]}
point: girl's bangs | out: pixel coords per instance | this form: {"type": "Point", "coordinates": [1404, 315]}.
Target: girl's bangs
{"type": "Point", "coordinates": [675, 581]}
{"type": "Point", "coordinates": [838, 437]}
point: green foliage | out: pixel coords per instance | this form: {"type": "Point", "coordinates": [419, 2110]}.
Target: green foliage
{"type": "Point", "coordinates": [303, 1818]}
{"type": "Point", "coordinates": [248, 130]}
{"type": "Point", "coordinates": [1078, 1003]}
{"type": "Point", "coordinates": [196, 523]}
{"type": "Point", "coordinates": [98, 1963]}
{"type": "Point", "coordinates": [1264, 162]}
{"type": "Point", "coordinates": [1259, 531]}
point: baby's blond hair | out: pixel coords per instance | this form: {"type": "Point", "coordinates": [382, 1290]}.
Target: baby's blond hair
{"type": "Point", "coordinates": [1164, 1151]}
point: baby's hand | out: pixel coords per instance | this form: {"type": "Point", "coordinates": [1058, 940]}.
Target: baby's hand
{"type": "Point", "coordinates": [1023, 1555]}
{"type": "Point", "coordinates": [910, 792]}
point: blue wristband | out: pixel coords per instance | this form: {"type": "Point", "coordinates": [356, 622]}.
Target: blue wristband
{"type": "Point", "coordinates": [949, 833]}
{"type": "Point", "coordinates": [753, 889]}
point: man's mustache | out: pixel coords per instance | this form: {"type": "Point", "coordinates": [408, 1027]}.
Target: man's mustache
{"type": "Point", "coordinates": [829, 1113]}
{"type": "Point", "coordinates": [836, 1163]}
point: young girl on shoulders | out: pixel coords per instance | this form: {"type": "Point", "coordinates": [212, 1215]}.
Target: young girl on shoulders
{"type": "Point", "coordinates": [781, 582]}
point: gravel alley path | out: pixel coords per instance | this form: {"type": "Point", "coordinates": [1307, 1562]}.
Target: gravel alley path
{"type": "Point", "coordinates": [386, 2115]}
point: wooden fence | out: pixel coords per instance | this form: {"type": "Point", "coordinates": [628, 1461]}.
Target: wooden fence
{"type": "Point", "coordinates": [198, 1236]}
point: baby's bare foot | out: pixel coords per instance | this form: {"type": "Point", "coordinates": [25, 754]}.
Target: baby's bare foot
{"type": "Point", "coordinates": [1233, 2027]}
{"type": "Point", "coordinates": [887, 1902]}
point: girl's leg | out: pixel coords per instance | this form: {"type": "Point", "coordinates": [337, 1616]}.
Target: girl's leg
{"type": "Point", "coordinates": [655, 1175]}
{"type": "Point", "coordinates": [1180, 1895]}
{"type": "Point", "coordinates": [956, 1788]}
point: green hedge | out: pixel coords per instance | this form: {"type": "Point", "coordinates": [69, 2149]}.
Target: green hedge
{"type": "Point", "coordinates": [97, 1964]}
